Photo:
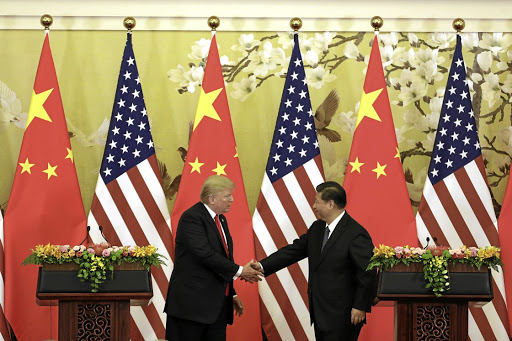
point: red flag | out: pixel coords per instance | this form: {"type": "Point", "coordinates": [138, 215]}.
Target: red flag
{"type": "Point", "coordinates": [377, 195]}
{"type": "Point", "coordinates": [45, 205]}
{"type": "Point", "coordinates": [505, 236]}
{"type": "Point", "coordinates": [212, 150]}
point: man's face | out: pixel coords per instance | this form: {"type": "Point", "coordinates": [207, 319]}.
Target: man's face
{"type": "Point", "coordinates": [322, 208]}
{"type": "Point", "coordinates": [221, 201]}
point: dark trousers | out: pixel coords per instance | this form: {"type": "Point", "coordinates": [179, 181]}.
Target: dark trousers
{"type": "Point", "coordinates": [177, 329]}
{"type": "Point", "coordinates": [347, 332]}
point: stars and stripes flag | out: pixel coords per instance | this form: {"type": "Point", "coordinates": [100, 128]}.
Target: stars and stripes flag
{"type": "Point", "coordinates": [284, 208]}
{"type": "Point", "coordinates": [45, 205]}
{"type": "Point", "coordinates": [4, 330]}
{"type": "Point", "coordinates": [456, 206]}
{"type": "Point", "coordinates": [212, 151]}
{"type": "Point", "coordinates": [129, 202]}
{"type": "Point", "coordinates": [374, 174]}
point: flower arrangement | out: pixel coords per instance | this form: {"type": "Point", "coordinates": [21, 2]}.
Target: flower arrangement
{"type": "Point", "coordinates": [95, 260]}
{"type": "Point", "coordinates": [435, 261]}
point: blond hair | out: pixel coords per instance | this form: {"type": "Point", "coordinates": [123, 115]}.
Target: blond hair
{"type": "Point", "coordinates": [213, 185]}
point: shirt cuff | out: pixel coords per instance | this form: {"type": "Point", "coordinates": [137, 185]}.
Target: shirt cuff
{"type": "Point", "coordinates": [238, 273]}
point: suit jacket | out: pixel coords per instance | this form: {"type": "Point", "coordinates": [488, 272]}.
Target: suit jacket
{"type": "Point", "coordinates": [338, 280]}
{"type": "Point", "coordinates": [202, 270]}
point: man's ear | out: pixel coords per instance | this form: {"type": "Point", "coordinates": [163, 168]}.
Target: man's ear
{"type": "Point", "coordinates": [331, 204]}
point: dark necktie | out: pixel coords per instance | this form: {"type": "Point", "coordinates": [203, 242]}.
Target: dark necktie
{"type": "Point", "coordinates": [219, 227]}
{"type": "Point", "coordinates": [326, 237]}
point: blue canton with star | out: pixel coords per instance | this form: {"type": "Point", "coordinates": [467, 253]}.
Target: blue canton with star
{"type": "Point", "coordinates": [129, 140]}
{"type": "Point", "coordinates": [456, 142]}
{"type": "Point", "coordinates": [295, 141]}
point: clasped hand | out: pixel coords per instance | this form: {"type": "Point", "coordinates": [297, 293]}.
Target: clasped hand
{"type": "Point", "coordinates": [251, 272]}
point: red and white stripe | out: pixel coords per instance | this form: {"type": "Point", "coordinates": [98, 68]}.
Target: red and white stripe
{"type": "Point", "coordinates": [283, 213]}
{"type": "Point", "coordinates": [133, 211]}
{"type": "Point", "coordinates": [458, 211]}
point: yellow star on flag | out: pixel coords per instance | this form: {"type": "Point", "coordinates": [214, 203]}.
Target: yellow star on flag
{"type": "Point", "coordinates": [379, 170]}
{"type": "Point", "coordinates": [220, 169]}
{"type": "Point", "coordinates": [356, 165]}
{"type": "Point", "coordinates": [50, 171]}
{"type": "Point", "coordinates": [26, 166]}
{"type": "Point", "coordinates": [366, 108]}
{"type": "Point", "coordinates": [70, 155]}
{"type": "Point", "coordinates": [236, 152]}
{"type": "Point", "coordinates": [196, 166]}
{"type": "Point", "coordinates": [205, 106]}
{"type": "Point", "coordinates": [397, 155]}
{"type": "Point", "coordinates": [36, 108]}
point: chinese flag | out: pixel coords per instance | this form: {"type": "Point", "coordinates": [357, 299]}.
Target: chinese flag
{"type": "Point", "coordinates": [377, 195]}
{"type": "Point", "coordinates": [505, 233]}
{"type": "Point", "coordinates": [212, 150]}
{"type": "Point", "coordinates": [45, 205]}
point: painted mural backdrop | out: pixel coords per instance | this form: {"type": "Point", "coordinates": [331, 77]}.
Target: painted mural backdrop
{"type": "Point", "coordinates": [171, 66]}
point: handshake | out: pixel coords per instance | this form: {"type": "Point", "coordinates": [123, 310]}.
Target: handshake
{"type": "Point", "coordinates": [252, 272]}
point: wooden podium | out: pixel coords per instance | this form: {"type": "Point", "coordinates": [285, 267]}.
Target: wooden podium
{"type": "Point", "coordinates": [84, 315]}
{"type": "Point", "coordinates": [420, 315]}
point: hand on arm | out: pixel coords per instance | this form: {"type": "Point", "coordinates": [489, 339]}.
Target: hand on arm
{"type": "Point", "coordinates": [249, 274]}
{"type": "Point", "coordinates": [238, 305]}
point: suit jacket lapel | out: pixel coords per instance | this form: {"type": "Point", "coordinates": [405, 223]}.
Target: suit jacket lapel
{"type": "Point", "coordinates": [335, 235]}
{"type": "Point", "coordinates": [212, 225]}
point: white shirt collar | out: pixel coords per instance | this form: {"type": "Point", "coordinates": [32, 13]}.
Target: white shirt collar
{"type": "Point", "coordinates": [335, 222]}
{"type": "Point", "coordinates": [212, 213]}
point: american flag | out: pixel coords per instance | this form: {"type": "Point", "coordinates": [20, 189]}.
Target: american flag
{"type": "Point", "coordinates": [284, 209]}
{"type": "Point", "coordinates": [129, 201]}
{"type": "Point", "coordinates": [456, 206]}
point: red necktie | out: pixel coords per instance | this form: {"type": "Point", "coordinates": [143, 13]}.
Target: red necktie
{"type": "Point", "coordinates": [217, 222]}
{"type": "Point", "coordinates": [219, 227]}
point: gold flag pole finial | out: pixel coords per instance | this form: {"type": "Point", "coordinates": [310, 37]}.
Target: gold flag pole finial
{"type": "Point", "coordinates": [295, 24]}
{"type": "Point", "coordinates": [376, 22]}
{"type": "Point", "coordinates": [129, 23]}
{"type": "Point", "coordinates": [458, 24]}
{"type": "Point", "coordinates": [46, 21]}
{"type": "Point", "coordinates": [213, 22]}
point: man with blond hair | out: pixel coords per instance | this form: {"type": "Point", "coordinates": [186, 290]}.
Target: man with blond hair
{"type": "Point", "coordinates": [201, 298]}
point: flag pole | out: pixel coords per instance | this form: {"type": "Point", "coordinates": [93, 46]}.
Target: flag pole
{"type": "Point", "coordinates": [46, 21]}
{"type": "Point", "coordinates": [458, 25]}
{"type": "Point", "coordinates": [296, 24]}
{"type": "Point", "coordinates": [129, 23]}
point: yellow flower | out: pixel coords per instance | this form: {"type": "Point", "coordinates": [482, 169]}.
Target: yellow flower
{"type": "Point", "coordinates": [139, 252]}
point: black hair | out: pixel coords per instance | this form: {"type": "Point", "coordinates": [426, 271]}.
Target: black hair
{"type": "Point", "coordinates": [332, 190]}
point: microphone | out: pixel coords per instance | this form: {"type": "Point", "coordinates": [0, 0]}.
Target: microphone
{"type": "Point", "coordinates": [428, 241]}
{"type": "Point", "coordinates": [86, 235]}
{"type": "Point", "coordinates": [101, 231]}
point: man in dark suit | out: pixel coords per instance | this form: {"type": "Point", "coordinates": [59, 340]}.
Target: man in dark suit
{"type": "Point", "coordinates": [201, 297]}
{"type": "Point", "coordinates": [340, 290]}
